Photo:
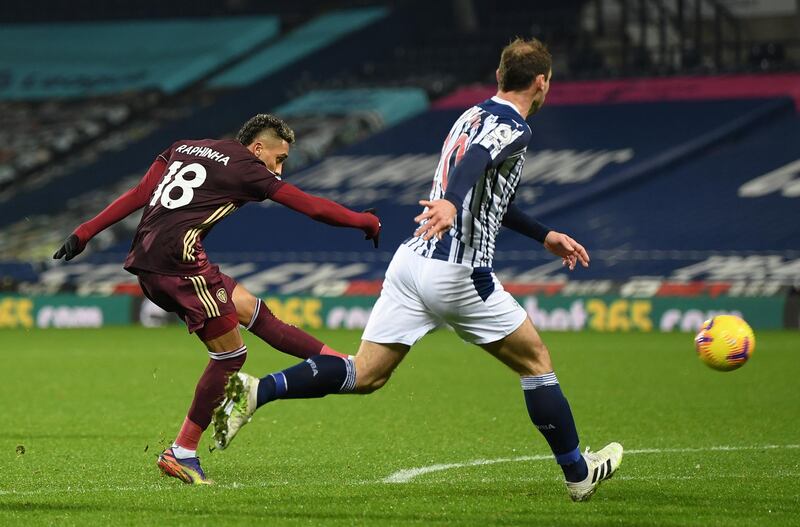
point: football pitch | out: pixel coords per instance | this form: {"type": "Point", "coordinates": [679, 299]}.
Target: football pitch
{"type": "Point", "coordinates": [446, 442]}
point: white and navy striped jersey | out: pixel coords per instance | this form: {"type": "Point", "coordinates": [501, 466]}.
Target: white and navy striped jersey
{"type": "Point", "coordinates": [496, 126]}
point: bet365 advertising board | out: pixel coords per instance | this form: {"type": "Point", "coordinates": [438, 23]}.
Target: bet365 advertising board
{"type": "Point", "coordinates": [559, 313]}
{"type": "Point", "coordinates": [64, 311]}
{"type": "Point", "coordinates": [555, 312]}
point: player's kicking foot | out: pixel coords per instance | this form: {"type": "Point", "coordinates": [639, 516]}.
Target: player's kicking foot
{"type": "Point", "coordinates": [602, 465]}
{"type": "Point", "coordinates": [236, 409]}
{"type": "Point", "coordinates": [187, 470]}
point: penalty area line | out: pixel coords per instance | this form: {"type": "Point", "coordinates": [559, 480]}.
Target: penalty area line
{"type": "Point", "coordinates": [408, 474]}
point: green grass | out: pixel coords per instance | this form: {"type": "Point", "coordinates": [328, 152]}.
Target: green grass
{"type": "Point", "coordinates": [93, 408]}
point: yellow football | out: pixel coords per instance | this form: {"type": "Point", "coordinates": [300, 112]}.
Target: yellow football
{"type": "Point", "coordinates": [725, 342]}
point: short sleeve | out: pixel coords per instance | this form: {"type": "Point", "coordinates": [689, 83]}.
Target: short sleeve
{"type": "Point", "coordinates": [257, 182]}
{"type": "Point", "coordinates": [503, 137]}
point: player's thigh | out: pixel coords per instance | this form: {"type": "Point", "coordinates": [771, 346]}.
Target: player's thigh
{"type": "Point", "coordinates": [375, 363]}
{"type": "Point", "coordinates": [475, 304]}
{"type": "Point", "coordinates": [247, 304]}
{"type": "Point", "coordinates": [399, 316]}
{"type": "Point", "coordinates": [523, 351]}
{"type": "Point", "coordinates": [226, 344]}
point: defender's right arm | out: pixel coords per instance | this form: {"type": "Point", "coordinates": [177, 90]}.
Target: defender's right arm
{"type": "Point", "coordinates": [441, 213]}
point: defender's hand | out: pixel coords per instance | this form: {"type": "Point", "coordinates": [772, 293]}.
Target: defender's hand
{"type": "Point", "coordinates": [441, 216]}
{"type": "Point", "coordinates": [568, 249]}
{"type": "Point", "coordinates": [71, 248]}
{"type": "Point", "coordinates": [373, 232]}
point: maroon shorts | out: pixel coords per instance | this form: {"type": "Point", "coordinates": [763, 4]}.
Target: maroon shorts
{"type": "Point", "coordinates": [197, 299]}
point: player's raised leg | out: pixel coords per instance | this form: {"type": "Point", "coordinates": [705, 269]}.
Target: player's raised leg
{"type": "Point", "coordinates": [227, 354]}
{"type": "Point", "coordinates": [259, 320]}
{"type": "Point", "coordinates": [317, 376]}
{"type": "Point", "coordinates": [524, 352]}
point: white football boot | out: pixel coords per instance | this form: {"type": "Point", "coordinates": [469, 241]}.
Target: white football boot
{"type": "Point", "coordinates": [236, 409]}
{"type": "Point", "coordinates": [602, 465]}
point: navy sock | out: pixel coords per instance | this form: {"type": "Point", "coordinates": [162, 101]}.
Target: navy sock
{"type": "Point", "coordinates": [317, 376]}
{"type": "Point", "coordinates": [550, 413]}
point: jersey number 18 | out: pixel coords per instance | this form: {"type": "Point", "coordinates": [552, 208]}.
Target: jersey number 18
{"type": "Point", "coordinates": [165, 191]}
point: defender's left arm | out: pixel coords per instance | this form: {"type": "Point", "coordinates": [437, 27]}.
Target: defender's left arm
{"type": "Point", "coordinates": [558, 243]}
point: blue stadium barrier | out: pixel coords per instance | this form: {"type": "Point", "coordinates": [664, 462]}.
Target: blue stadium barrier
{"type": "Point", "coordinates": [697, 146]}
{"type": "Point", "coordinates": [700, 204]}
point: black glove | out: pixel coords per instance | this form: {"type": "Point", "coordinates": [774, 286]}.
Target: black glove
{"type": "Point", "coordinates": [375, 239]}
{"type": "Point", "coordinates": [71, 248]}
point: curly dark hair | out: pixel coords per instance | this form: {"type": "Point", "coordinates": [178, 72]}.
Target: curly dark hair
{"type": "Point", "coordinates": [263, 121]}
{"type": "Point", "coordinates": [521, 62]}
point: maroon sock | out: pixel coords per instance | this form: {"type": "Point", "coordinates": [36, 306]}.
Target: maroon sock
{"type": "Point", "coordinates": [285, 337]}
{"type": "Point", "coordinates": [211, 387]}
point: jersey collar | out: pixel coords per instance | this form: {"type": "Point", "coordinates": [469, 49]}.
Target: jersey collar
{"type": "Point", "coordinates": [499, 100]}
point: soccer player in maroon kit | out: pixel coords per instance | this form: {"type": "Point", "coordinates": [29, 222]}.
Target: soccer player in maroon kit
{"type": "Point", "coordinates": [189, 188]}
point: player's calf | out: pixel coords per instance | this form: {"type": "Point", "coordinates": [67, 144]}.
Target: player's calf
{"type": "Point", "coordinates": [551, 415]}
{"type": "Point", "coordinates": [523, 351]}
{"type": "Point", "coordinates": [227, 354]}
{"type": "Point", "coordinates": [317, 376]}
{"type": "Point", "coordinates": [257, 318]}
{"type": "Point", "coordinates": [375, 364]}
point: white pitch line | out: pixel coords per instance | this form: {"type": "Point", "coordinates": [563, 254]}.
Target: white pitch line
{"type": "Point", "coordinates": [408, 474]}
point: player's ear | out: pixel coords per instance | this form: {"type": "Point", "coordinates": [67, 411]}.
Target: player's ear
{"type": "Point", "coordinates": [497, 75]}
{"type": "Point", "coordinates": [541, 80]}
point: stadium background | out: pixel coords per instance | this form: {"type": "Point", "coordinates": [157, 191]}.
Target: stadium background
{"type": "Point", "coordinates": [670, 146]}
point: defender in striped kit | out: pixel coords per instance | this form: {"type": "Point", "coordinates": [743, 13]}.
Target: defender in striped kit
{"type": "Point", "coordinates": [190, 187]}
{"type": "Point", "coordinates": [443, 275]}
{"type": "Point", "coordinates": [496, 128]}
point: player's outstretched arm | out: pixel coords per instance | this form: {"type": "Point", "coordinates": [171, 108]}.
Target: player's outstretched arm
{"type": "Point", "coordinates": [516, 220]}
{"type": "Point", "coordinates": [557, 243]}
{"type": "Point", "coordinates": [570, 251]}
{"type": "Point", "coordinates": [132, 200]}
{"type": "Point", "coordinates": [327, 211]}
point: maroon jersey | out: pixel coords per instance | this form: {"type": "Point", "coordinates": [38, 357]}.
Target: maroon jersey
{"type": "Point", "coordinates": [205, 181]}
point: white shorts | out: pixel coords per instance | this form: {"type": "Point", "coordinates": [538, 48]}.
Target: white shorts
{"type": "Point", "coordinates": [420, 294]}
